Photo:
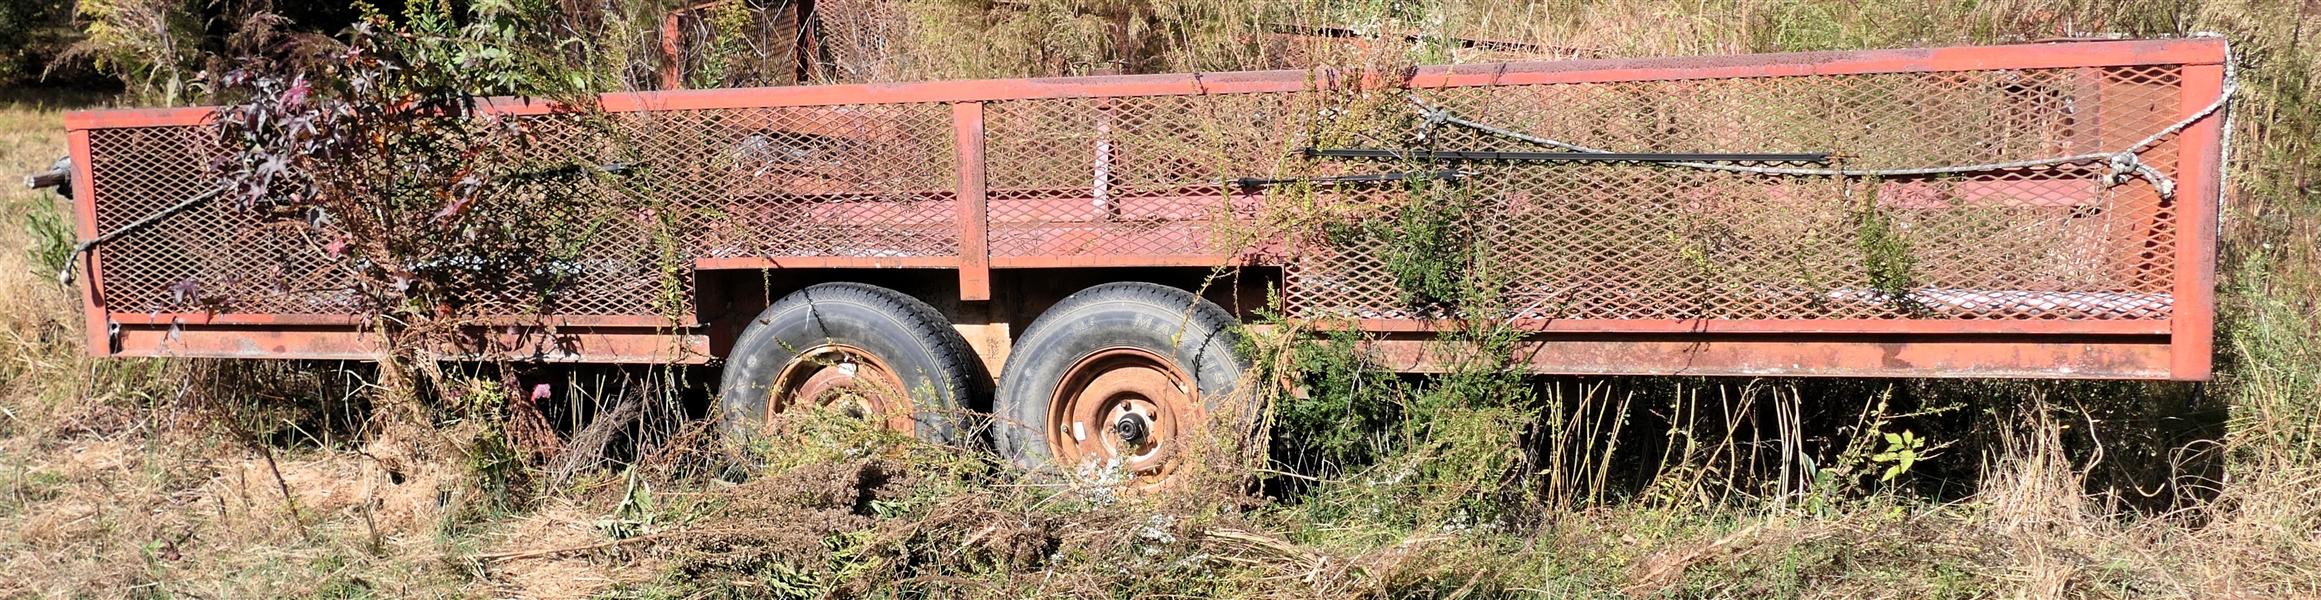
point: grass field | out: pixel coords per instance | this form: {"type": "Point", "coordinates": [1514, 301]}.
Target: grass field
{"type": "Point", "coordinates": [206, 479]}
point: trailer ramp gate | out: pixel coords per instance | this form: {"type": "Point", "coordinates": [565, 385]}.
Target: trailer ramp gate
{"type": "Point", "coordinates": [1642, 266]}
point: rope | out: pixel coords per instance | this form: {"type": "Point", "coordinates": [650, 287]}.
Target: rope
{"type": "Point", "coordinates": [2122, 164]}
{"type": "Point", "coordinates": [2224, 143]}
{"type": "Point", "coordinates": [66, 276]}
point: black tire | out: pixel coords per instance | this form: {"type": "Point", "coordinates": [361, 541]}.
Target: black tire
{"type": "Point", "coordinates": [1200, 337]}
{"type": "Point", "coordinates": [935, 365]}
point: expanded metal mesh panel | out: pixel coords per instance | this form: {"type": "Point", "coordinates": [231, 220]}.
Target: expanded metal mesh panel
{"type": "Point", "coordinates": [1144, 177]}
{"type": "Point", "coordinates": [219, 257]}
{"type": "Point", "coordinates": [209, 257]}
{"type": "Point", "coordinates": [1659, 241]}
{"type": "Point", "coordinates": [624, 257]}
{"type": "Point", "coordinates": [1133, 175]}
{"type": "Point", "coordinates": [870, 180]}
{"type": "Point", "coordinates": [853, 181]}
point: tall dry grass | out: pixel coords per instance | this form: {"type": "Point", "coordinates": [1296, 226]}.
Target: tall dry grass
{"type": "Point", "coordinates": [134, 478]}
{"type": "Point", "coordinates": [1709, 488]}
{"type": "Point", "coordinates": [131, 478]}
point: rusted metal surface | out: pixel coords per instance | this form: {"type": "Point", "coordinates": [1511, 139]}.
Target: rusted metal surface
{"type": "Point", "coordinates": [826, 262]}
{"type": "Point", "coordinates": [974, 202]}
{"type": "Point", "coordinates": [1782, 355]}
{"type": "Point", "coordinates": [850, 380]}
{"type": "Point", "coordinates": [1813, 326]}
{"type": "Point", "coordinates": [2203, 51]}
{"type": "Point", "coordinates": [1127, 407]}
{"type": "Point", "coordinates": [93, 307]}
{"type": "Point", "coordinates": [2194, 326]}
{"type": "Point", "coordinates": [2060, 270]}
{"type": "Point", "coordinates": [568, 344]}
{"type": "Point", "coordinates": [296, 320]}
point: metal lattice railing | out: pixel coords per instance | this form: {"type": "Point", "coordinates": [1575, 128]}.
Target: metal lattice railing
{"type": "Point", "coordinates": [1122, 170]}
{"type": "Point", "coordinates": [1654, 241]}
{"type": "Point", "coordinates": [1131, 175]}
{"type": "Point", "coordinates": [209, 250]}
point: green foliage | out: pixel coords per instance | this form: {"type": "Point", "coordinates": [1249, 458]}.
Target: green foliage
{"type": "Point", "coordinates": [31, 33]}
{"type": "Point", "coordinates": [1400, 455]}
{"type": "Point", "coordinates": [485, 48]}
{"type": "Point", "coordinates": [154, 46]}
{"type": "Point", "coordinates": [637, 513]}
{"type": "Point", "coordinates": [501, 473]}
{"type": "Point", "coordinates": [724, 55]}
{"type": "Point", "coordinates": [1429, 246]}
{"type": "Point", "coordinates": [22, 489]}
{"type": "Point", "coordinates": [1885, 253]}
{"type": "Point", "coordinates": [175, 52]}
{"type": "Point", "coordinates": [1902, 451]}
{"type": "Point", "coordinates": [1413, 468]}
{"type": "Point", "coordinates": [434, 206]}
{"type": "Point", "coordinates": [52, 237]}
{"type": "Point", "coordinates": [1337, 420]}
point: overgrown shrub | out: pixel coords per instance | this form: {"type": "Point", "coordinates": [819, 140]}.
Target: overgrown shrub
{"type": "Point", "coordinates": [432, 210]}
{"type": "Point", "coordinates": [154, 46]}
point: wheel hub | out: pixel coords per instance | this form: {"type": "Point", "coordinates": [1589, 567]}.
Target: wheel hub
{"type": "Point", "coordinates": [847, 379]}
{"type": "Point", "coordinates": [1132, 429]}
{"type": "Point", "coordinates": [1124, 406]}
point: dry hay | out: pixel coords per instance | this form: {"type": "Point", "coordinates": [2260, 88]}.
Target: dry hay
{"type": "Point", "coordinates": [560, 575]}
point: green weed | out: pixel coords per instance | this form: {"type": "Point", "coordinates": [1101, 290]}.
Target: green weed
{"type": "Point", "coordinates": [52, 238]}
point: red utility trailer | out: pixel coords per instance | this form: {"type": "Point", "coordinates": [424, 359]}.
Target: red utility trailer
{"type": "Point", "coordinates": [2042, 210]}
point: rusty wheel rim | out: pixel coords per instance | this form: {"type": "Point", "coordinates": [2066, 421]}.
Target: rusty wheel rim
{"type": "Point", "coordinates": [845, 378]}
{"type": "Point", "coordinates": [1127, 405]}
